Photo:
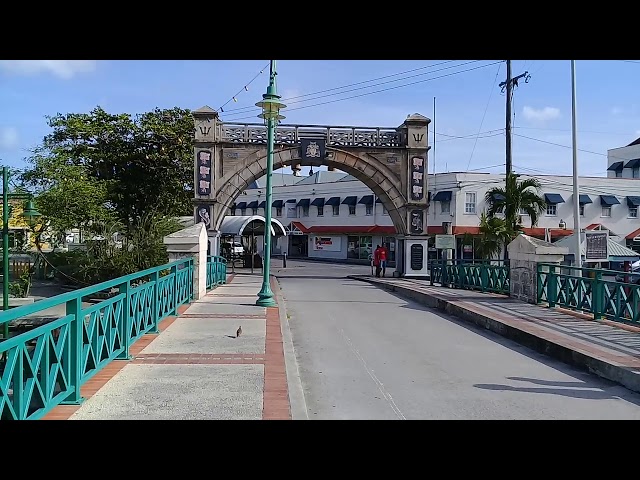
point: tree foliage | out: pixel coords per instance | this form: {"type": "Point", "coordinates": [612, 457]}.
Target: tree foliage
{"type": "Point", "coordinates": [104, 173]}
{"type": "Point", "coordinates": [495, 233]}
{"type": "Point", "coordinates": [107, 166]}
{"type": "Point", "coordinates": [509, 201]}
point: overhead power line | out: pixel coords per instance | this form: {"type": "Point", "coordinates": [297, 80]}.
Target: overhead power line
{"type": "Point", "coordinates": [245, 88]}
{"type": "Point", "coordinates": [381, 90]}
{"type": "Point", "coordinates": [289, 100]}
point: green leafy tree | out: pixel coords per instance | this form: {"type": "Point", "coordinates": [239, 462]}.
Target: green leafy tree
{"type": "Point", "coordinates": [515, 197]}
{"type": "Point", "coordinates": [494, 234]}
{"type": "Point", "coordinates": [132, 167]}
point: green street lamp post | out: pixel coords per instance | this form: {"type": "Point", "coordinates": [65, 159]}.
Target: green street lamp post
{"type": "Point", "coordinates": [271, 106]}
{"type": "Point", "coordinates": [29, 212]}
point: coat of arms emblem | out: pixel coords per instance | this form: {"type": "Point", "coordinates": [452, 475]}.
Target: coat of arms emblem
{"type": "Point", "coordinates": [313, 150]}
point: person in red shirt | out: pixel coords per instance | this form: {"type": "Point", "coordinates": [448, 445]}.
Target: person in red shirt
{"type": "Point", "coordinates": [376, 260]}
{"type": "Point", "coordinates": [382, 257]}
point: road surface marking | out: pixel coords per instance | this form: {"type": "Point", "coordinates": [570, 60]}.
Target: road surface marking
{"type": "Point", "coordinates": [386, 395]}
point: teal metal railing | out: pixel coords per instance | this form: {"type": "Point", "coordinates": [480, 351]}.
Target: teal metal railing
{"type": "Point", "coordinates": [589, 290]}
{"type": "Point", "coordinates": [216, 271]}
{"type": "Point", "coordinates": [48, 365]}
{"type": "Point", "coordinates": [484, 275]}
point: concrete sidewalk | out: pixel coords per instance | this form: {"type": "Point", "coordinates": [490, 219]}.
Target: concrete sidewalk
{"type": "Point", "coordinates": [604, 348]}
{"type": "Point", "coordinates": [196, 368]}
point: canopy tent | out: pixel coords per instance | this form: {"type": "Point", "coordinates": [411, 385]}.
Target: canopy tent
{"type": "Point", "coordinates": [250, 225]}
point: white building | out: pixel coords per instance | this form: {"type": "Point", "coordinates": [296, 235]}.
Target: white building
{"type": "Point", "coordinates": [624, 162]}
{"type": "Point", "coordinates": [333, 215]}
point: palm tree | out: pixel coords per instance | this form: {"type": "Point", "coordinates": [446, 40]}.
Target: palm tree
{"type": "Point", "coordinates": [494, 233]}
{"type": "Point", "coordinates": [512, 199]}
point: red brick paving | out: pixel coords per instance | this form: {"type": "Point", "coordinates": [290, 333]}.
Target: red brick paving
{"type": "Point", "coordinates": [199, 358]}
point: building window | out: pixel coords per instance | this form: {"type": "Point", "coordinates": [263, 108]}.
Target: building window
{"type": "Point", "coordinates": [352, 209]}
{"type": "Point", "coordinates": [633, 212]}
{"type": "Point", "coordinates": [552, 209]}
{"type": "Point", "coordinates": [254, 211]}
{"type": "Point", "coordinates": [243, 211]}
{"type": "Point", "coordinates": [384, 210]}
{"type": "Point", "coordinates": [606, 211]}
{"type": "Point", "coordinates": [582, 210]}
{"type": "Point", "coordinates": [369, 209]}
{"type": "Point", "coordinates": [359, 247]}
{"type": "Point", "coordinates": [278, 211]}
{"type": "Point", "coordinates": [336, 210]}
{"type": "Point", "coordinates": [321, 211]}
{"type": "Point", "coordinates": [470, 202]}
{"type": "Point", "coordinates": [445, 207]}
{"type": "Point", "coordinates": [636, 172]}
{"type": "Point", "coordinates": [305, 211]}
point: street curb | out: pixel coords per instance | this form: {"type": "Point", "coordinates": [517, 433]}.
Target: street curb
{"type": "Point", "coordinates": [297, 401]}
{"type": "Point", "coordinates": [619, 374]}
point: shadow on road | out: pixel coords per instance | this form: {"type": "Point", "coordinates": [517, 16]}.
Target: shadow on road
{"type": "Point", "coordinates": [587, 391]}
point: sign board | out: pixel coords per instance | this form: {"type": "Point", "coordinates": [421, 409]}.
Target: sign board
{"type": "Point", "coordinates": [446, 242]}
{"type": "Point", "coordinates": [417, 257]}
{"type": "Point", "coordinates": [327, 244]}
{"type": "Point", "coordinates": [204, 172]}
{"type": "Point", "coordinates": [597, 246]}
{"type": "Point", "coordinates": [312, 151]}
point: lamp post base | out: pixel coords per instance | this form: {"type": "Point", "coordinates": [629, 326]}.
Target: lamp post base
{"type": "Point", "coordinates": [265, 298]}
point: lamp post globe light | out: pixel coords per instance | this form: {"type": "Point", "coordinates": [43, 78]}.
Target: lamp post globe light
{"type": "Point", "coordinates": [271, 106]}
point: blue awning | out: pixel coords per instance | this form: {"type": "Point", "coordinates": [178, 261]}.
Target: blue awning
{"type": "Point", "coordinates": [366, 200]}
{"type": "Point", "coordinates": [253, 204]}
{"type": "Point", "coordinates": [608, 200]}
{"type": "Point", "coordinates": [443, 196]}
{"type": "Point", "coordinates": [553, 198]}
{"type": "Point", "coordinates": [633, 163]}
{"type": "Point", "coordinates": [498, 197]}
{"type": "Point", "coordinates": [333, 201]}
{"type": "Point", "coordinates": [616, 166]}
{"type": "Point", "coordinates": [277, 204]}
{"type": "Point", "coordinates": [303, 203]}
{"type": "Point", "coordinates": [351, 200]}
{"type": "Point", "coordinates": [318, 202]}
{"type": "Point", "coordinates": [378, 200]}
{"type": "Point", "coordinates": [291, 200]}
{"type": "Point", "coordinates": [262, 204]}
{"type": "Point", "coordinates": [241, 205]}
{"type": "Point", "coordinates": [633, 201]}
{"type": "Point", "coordinates": [584, 199]}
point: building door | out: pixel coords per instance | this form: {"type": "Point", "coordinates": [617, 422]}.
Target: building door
{"type": "Point", "coordinates": [299, 246]}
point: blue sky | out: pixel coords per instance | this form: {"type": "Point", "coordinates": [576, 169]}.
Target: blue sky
{"type": "Point", "coordinates": [608, 104]}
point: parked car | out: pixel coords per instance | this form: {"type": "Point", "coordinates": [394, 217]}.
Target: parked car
{"type": "Point", "coordinates": [234, 248]}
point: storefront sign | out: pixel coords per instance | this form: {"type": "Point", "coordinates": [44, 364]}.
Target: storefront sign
{"type": "Point", "coordinates": [327, 244]}
{"type": "Point", "coordinates": [597, 248]}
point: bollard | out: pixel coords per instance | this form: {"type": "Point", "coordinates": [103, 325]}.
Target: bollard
{"type": "Point", "coordinates": [284, 260]}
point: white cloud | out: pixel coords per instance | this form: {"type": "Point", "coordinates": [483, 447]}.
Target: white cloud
{"type": "Point", "coordinates": [542, 115]}
{"type": "Point", "coordinates": [8, 138]}
{"type": "Point", "coordinates": [64, 69]}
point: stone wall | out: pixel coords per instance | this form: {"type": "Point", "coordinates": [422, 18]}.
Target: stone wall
{"type": "Point", "coordinates": [523, 280]}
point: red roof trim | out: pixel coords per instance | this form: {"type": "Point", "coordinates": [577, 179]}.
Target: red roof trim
{"type": "Point", "coordinates": [593, 226]}
{"type": "Point", "coordinates": [300, 227]}
{"type": "Point", "coordinates": [368, 229]}
{"type": "Point", "coordinates": [633, 234]}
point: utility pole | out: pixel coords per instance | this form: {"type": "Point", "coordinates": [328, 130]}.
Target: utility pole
{"type": "Point", "coordinates": [508, 86]}
{"type": "Point", "coordinates": [576, 189]}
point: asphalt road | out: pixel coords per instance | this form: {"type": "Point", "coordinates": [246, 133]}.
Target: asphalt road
{"type": "Point", "coordinates": [364, 353]}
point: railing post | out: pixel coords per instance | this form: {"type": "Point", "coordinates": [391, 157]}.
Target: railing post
{"type": "Point", "coordinates": [174, 303]}
{"type": "Point", "coordinates": [193, 272]}
{"type": "Point", "coordinates": [484, 277]}
{"type": "Point", "coordinates": [154, 303]}
{"type": "Point", "coordinates": [125, 322]}
{"type": "Point", "coordinates": [73, 357]}
{"type": "Point", "coordinates": [444, 277]}
{"type": "Point", "coordinates": [461, 274]}
{"type": "Point", "coordinates": [552, 286]}
{"type": "Point", "coordinates": [597, 290]}
{"type": "Point", "coordinates": [431, 271]}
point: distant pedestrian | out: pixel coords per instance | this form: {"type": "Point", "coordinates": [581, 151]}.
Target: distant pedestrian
{"type": "Point", "coordinates": [376, 260]}
{"type": "Point", "coordinates": [382, 256]}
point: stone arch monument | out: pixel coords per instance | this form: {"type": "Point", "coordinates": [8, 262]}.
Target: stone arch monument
{"type": "Point", "coordinates": [392, 162]}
